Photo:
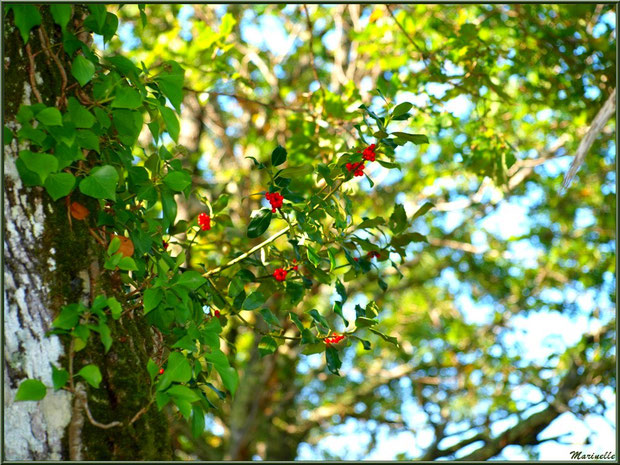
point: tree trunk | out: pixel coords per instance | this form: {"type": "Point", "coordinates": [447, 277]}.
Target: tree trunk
{"type": "Point", "coordinates": [49, 262]}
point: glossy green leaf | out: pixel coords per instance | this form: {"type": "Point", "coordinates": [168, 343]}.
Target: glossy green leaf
{"type": "Point", "coordinates": [278, 156]}
{"type": "Point", "coordinates": [269, 317]}
{"type": "Point", "coordinates": [253, 301]}
{"type": "Point", "coordinates": [333, 360]}
{"type": "Point", "coordinates": [415, 138]}
{"type": "Point", "coordinates": [259, 224]}
{"type": "Point", "coordinates": [267, 346]}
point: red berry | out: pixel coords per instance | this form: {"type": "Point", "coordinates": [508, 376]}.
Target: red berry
{"type": "Point", "coordinates": [204, 221]}
{"type": "Point", "coordinates": [356, 168]}
{"type": "Point", "coordinates": [161, 371]}
{"type": "Point", "coordinates": [217, 313]}
{"type": "Point", "coordinates": [296, 267]}
{"type": "Point", "coordinates": [280, 274]}
{"type": "Point", "coordinates": [356, 259]}
{"type": "Point", "coordinates": [275, 200]}
{"type": "Point", "coordinates": [165, 245]}
{"type": "Point", "coordinates": [369, 153]}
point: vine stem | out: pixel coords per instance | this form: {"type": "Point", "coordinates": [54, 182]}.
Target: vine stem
{"type": "Point", "coordinates": [266, 242]}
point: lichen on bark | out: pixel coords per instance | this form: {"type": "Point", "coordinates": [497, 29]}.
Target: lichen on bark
{"type": "Point", "coordinates": [50, 262]}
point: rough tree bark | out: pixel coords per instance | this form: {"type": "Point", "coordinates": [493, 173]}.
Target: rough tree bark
{"type": "Point", "coordinates": [50, 262]}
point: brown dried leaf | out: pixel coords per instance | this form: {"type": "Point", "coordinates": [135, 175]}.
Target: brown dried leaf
{"type": "Point", "coordinates": [78, 211]}
{"type": "Point", "coordinates": [126, 247]}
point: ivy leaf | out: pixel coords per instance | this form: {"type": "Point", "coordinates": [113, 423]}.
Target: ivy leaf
{"type": "Point", "coordinates": [191, 280]}
{"type": "Point", "coordinates": [40, 163]}
{"type": "Point", "coordinates": [61, 14]}
{"type": "Point", "coordinates": [171, 83]}
{"type": "Point", "coordinates": [115, 307]}
{"type": "Point", "coordinates": [177, 180]}
{"type": "Point", "coordinates": [59, 184]}
{"type": "Point", "coordinates": [59, 377]}
{"type": "Point", "coordinates": [68, 317]}
{"type": "Point", "coordinates": [172, 122]}
{"type": "Point", "coordinates": [253, 301]}
{"type": "Point", "coordinates": [152, 368]}
{"type": "Point", "coordinates": [177, 370]}
{"type": "Point", "coordinates": [26, 17]}
{"type": "Point", "coordinates": [105, 336]}
{"type": "Point", "coordinates": [91, 374]}
{"type": "Point", "coordinates": [110, 26]}
{"type": "Point", "coordinates": [267, 345]}
{"type": "Point", "coordinates": [101, 183]}
{"type": "Point", "coordinates": [126, 97]}
{"type": "Point", "coordinates": [259, 224]}
{"type": "Point", "coordinates": [31, 389]}
{"type": "Point", "coordinates": [152, 298]}
{"type": "Point", "coordinates": [229, 375]}
{"type": "Point", "coordinates": [80, 116]}
{"type": "Point", "coordinates": [183, 392]}
{"type": "Point", "coordinates": [278, 156]}
{"type": "Point", "coordinates": [50, 117]}
{"type": "Point", "coordinates": [82, 70]}
{"type": "Point", "coordinates": [198, 419]}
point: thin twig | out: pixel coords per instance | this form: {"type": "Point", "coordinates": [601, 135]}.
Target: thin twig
{"type": "Point", "coordinates": [33, 82]}
{"type": "Point", "coordinates": [45, 42]}
{"type": "Point", "coordinates": [141, 412]}
{"type": "Point", "coordinates": [82, 396]}
{"type": "Point", "coordinates": [267, 241]}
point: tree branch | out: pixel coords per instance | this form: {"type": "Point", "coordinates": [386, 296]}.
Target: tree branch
{"type": "Point", "coordinates": [598, 123]}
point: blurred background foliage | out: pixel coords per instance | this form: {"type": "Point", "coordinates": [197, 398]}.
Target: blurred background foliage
{"type": "Point", "coordinates": [506, 316]}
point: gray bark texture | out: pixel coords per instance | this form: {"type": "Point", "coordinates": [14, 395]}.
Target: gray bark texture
{"type": "Point", "coordinates": [50, 262]}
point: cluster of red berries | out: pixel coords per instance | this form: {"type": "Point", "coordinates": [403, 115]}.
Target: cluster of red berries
{"type": "Point", "coordinates": [356, 168]}
{"type": "Point", "coordinates": [369, 153]}
{"type": "Point", "coordinates": [334, 339]}
{"type": "Point", "coordinates": [373, 254]}
{"type": "Point", "coordinates": [275, 200]}
{"type": "Point", "coordinates": [204, 221]}
{"type": "Point", "coordinates": [280, 274]}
